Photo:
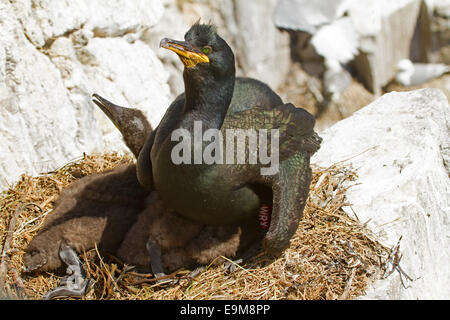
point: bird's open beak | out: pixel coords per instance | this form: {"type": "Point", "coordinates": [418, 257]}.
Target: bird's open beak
{"type": "Point", "coordinates": [188, 55]}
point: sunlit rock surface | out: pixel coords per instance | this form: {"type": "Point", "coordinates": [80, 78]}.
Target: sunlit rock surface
{"type": "Point", "coordinates": [399, 146]}
{"type": "Point", "coordinates": [53, 55]}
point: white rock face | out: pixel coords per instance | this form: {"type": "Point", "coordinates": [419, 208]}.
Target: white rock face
{"type": "Point", "coordinates": [262, 50]}
{"type": "Point", "coordinates": [46, 19]}
{"type": "Point", "coordinates": [375, 34]}
{"type": "Point", "coordinates": [399, 146]}
{"type": "Point", "coordinates": [386, 30]}
{"type": "Point", "coordinates": [307, 15]}
{"type": "Point", "coordinates": [53, 55]}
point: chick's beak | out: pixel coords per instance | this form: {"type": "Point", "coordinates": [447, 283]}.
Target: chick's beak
{"type": "Point", "coordinates": [114, 112]}
{"type": "Point", "coordinates": [188, 55]}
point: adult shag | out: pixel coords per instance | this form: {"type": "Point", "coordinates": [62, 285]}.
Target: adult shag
{"type": "Point", "coordinates": [219, 194]}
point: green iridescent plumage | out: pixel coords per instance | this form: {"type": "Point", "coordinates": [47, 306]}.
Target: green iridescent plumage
{"type": "Point", "coordinates": [219, 194]}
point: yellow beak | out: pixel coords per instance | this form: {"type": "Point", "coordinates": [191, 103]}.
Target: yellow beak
{"type": "Point", "coordinates": [188, 55]}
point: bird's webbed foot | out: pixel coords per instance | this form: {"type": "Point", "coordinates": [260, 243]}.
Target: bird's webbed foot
{"type": "Point", "coordinates": [75, 283]}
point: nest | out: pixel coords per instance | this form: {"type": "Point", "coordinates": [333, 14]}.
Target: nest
{"type": "Point", "coordinates": [332, 256]}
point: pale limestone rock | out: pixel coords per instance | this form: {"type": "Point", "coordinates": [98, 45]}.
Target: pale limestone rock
{"type": "Point", "coordinates": [37, 124]}
{"type": "Point", "coordinates": [399, 146]}
{"type": "Point", "coordinates": [374, 35]}
{"type": "Point", "coordinates": [322, 36]}
{"type": "Point", "coordinates": [263, 51]}
{"type": "Point", "coordinates": [47, 19]}
{"type": "Point", "coordinates": [53, 56]}
{"type": "Point", "coordinates": [173, 24]}
{"type": "Point", "coordinates": [386, 29]}
{"type": "Point", "coordinates": [307, 15]}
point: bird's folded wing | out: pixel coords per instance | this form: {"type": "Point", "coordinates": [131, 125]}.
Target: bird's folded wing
{"type": "Point", "coordinates": [295, 126]}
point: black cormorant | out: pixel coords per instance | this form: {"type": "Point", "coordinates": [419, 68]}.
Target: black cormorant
{"type": "Point", "coordinates": [219, 194]}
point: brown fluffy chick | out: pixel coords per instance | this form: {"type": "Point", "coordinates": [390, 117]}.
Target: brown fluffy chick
{"type": "Point", "coordinates": [95, 210]}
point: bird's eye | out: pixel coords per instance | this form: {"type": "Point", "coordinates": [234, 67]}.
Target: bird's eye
{"type": "Point", "coordinates": [206, 49]}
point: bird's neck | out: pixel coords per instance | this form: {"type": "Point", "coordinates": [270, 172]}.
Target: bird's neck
{"type": "Point", "coordinates": [135, 129]}
{"type": "Point", "coordinates": [208, 98]}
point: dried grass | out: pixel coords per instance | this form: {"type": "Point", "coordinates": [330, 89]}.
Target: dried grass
{"type": "Point", "coordinates": [332, 256]}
